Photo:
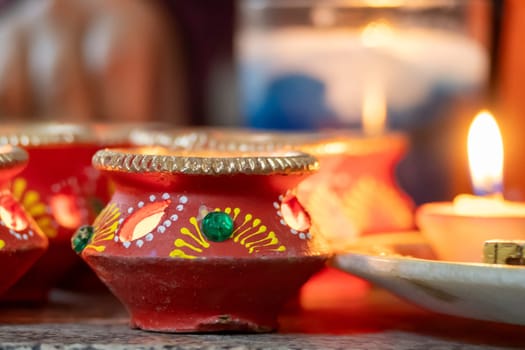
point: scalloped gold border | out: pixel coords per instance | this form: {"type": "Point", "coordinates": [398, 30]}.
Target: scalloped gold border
{"type": "Point", "coordinates": [51, 133]}
{"type": "Point", "coordinates": [158, 160]}
{"type": "Point", "coordinates": [11, 156]}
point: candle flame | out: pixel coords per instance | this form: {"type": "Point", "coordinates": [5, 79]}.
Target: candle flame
{"type": "Point", "coordinates": [485, 154]}
{"type": "Point", "coordinates": [374, 108]}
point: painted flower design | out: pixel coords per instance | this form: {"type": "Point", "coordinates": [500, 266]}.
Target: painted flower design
{"type": "Point", "coordinates": [13, 217]}
{"type": "Point", "coordinates": [293, 215]}
{"type": "Point", "coordinates": [249, 232]}
{"type": "Point", "coordinates": [68, 203]}
{"type": "Point", "coordinates": [34, 206]}
{"type": "Point", "coordinates": [146, 219]}
{"type": "Point", "coordinates": [104, 228]}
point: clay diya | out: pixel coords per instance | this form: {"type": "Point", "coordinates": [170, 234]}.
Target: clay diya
{"type": "Point", "coordinates": [56, 189]}
{"type": "Point", "coordinates": [21, 241]}
{"type": "Point", "coordinates": [202, 241]}
{"type": "Point", "coordinates": [354, 193]}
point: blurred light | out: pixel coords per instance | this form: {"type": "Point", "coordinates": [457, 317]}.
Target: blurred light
{"type": "Point", "coordinates": [374, 109]}
{"type": "Point", "coordinates": [378, 33]}
{"type": "Point", "coordinates": [66, 211]}
{"type": "Point", "coordinates": [323, 16]}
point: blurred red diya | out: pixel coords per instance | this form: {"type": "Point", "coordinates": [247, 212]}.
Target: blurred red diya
{"type": "Point", "coordinates": [21, 241]}
{"type": "Point", "coordinates": [356, 187]}
{"type": "Point", "coordinates": [55, 189]}
{"type": "Point", "coordinates": [202, 242]}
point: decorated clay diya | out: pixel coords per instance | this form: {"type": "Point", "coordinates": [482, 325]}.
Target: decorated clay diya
{"type": "Point", "coordinates": [57, 189]}
{"type": "Point", "coordinates": [202, 241]}
{"type": "Point", "coordinates": [21, 241]}
{"type": "Point", "coordinates": [354, 193]}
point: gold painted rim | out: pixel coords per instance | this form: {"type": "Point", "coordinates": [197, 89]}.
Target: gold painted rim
{"type": "Point", "coordinates": [248, 140]}
{"type": "Point", "coordinates": [11, 156]}
{"type": "Point", "coordinates": [163, 160]}
{"type": "Point", "coordinates": [41, 134]}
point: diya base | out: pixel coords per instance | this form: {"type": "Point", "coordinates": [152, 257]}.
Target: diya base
{"type": "Point", "coordinates": [215, 294]}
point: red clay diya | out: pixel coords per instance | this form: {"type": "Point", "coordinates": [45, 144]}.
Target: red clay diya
{"type": "Point", "coordinates": [355, 191]}
{"type": "Point", "coordinates": [21, 241]}
{"type": "Point", "coordinates": [56, 189]}
{"type": "Point", "coordinates": [202, 241]}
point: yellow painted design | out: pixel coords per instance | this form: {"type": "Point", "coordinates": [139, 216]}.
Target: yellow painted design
{"type": "Point", "coordinates": [34, 206]}
{"type": "Point", "coordinates": [104, 227]}
{"type": "Point", "coordinates": [182, 243]}
{"type": "Point", "coordinates": [250, 233]}
{"type": "Point", "coordinates": [2, 244]}
{"type": "Point", "coordinates": [199, 238]}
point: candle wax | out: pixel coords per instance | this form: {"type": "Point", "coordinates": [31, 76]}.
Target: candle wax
{"type": "Point", "coordinates": [491, 206]}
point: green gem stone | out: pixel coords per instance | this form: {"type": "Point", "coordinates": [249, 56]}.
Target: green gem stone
{"type": "Point", "coordinates": [217, 226]}
{"type": "Point", "coordinates": [81, 238]}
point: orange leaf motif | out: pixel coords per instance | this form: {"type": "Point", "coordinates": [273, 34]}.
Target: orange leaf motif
{"type": "Point", "coordinates": [143, 221]}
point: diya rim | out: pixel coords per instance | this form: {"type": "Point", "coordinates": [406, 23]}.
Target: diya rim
{"type": "Point", "coordinates": [45, 133]}
{"type": "Point", "coordinates": [158, 160]}
{"type": "Point", "coordinates": [11, 156]}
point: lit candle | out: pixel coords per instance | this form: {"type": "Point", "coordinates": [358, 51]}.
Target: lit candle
{"type": "Point", "coordinates": [485, 155]}
{"type": "Point", "coordinates": [458, 230]}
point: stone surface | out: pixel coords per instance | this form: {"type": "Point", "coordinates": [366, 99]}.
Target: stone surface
{"type": "Point", "coordinates": [349, 317]}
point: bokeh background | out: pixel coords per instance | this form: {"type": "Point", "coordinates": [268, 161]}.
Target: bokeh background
{"type": "Point", "coordinates": [185, 63]}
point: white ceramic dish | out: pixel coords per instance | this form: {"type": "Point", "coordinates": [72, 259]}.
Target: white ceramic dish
{"type": "Point", "coordinates": [478, 291]}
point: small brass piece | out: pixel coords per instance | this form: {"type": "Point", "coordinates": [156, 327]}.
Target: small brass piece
{"type": "Point", "coordinates": [504, 252]}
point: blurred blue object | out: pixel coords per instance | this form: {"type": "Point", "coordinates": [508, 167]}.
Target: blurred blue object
{"type": "Point", "coordinates": [294, 102]}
